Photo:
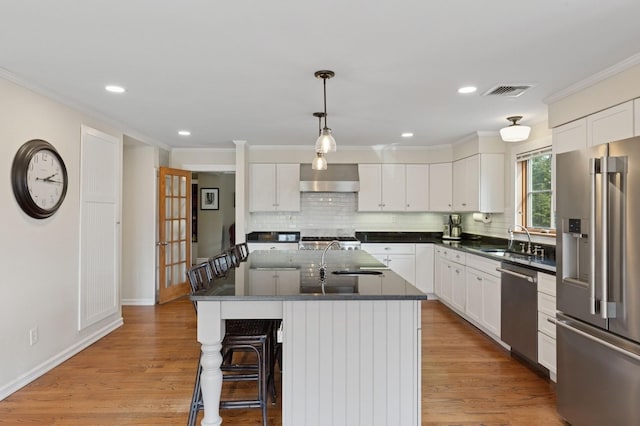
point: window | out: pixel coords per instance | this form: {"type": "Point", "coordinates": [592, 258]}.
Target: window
{"type": "Point", "coordinates": [534, 198]}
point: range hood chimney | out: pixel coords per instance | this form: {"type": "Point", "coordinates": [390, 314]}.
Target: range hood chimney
{"type": "Point", "coordinates": [337, 178]}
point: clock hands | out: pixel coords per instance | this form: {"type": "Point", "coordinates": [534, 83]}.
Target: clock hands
{"type": "Point", "coordinates": [49, 179]}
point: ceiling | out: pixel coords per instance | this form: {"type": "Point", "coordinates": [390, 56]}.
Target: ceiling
{"type": "Point", "coordinates": [244, 69]}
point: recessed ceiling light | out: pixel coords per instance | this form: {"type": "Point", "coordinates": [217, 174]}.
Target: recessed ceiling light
{"type": "Point", "coordinates": [407, 135]}
{"type": "Point", "coordinates": [184, 133]}
{"type": "Point", "coordinates": [467, 89]}
{"type": "Point", "coordinates": [114, 89]}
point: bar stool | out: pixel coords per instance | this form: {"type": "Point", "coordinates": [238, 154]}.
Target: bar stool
{"type": "Point", "coordinates": [233, 256]}
{"type": "Point", "coordinates": [252, 335]}
{"type": "Point", "coordinates": [220, 264]}
{"type": "Point", "coordinates": [243, 251]}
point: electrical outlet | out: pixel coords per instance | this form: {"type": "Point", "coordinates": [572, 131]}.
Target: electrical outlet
{"type": "Point", "coordinates": [33, 336]}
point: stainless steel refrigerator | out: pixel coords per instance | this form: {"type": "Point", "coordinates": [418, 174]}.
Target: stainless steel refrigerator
{"type": "Point", "coordinates": [598, 284]}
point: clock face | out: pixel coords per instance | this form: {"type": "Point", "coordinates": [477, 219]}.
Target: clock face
{"type": "Point", "coordinates": [39, 178]}
{"type": "Point", "coordinates": [45, 179]}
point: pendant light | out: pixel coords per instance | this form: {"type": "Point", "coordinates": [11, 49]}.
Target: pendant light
{"type": "Point", "coordinates": [515, 132]}
{"type": "Point", "coordinates": [325, 142]}
{"type": "Point", "coordinates": [319, 163]}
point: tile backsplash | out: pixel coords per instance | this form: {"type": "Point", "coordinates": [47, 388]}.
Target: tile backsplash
{"type": "Point", "coordinates": [335, 213]}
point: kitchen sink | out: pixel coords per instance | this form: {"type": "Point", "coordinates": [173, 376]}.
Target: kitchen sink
{"type": "Point", "coordinates": [357, 272]}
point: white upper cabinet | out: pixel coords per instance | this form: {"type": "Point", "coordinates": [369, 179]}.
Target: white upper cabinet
{"type": "Point", "coordinates": [610, 125]}
{"type": "Point", "coordinates": [417, 188]}
{"type": "Point", "coordinates": [466, 184]}
{"type": "Point", "coordinates": [393, 187]}
{"type": "Point", "coordinates": [440, 187]}
{"type": "Point", "coordinates": [382, 187]}
{"type": "Point", "coordinates": [274, 187]}
{"type": "Point", "coordinates": [570, 136]}
{"type": "Point", "coordinates": [478, 183]}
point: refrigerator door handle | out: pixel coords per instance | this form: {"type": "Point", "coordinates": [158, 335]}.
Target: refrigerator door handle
{"type": "Point", "coordinates": [593, 171]}
{"type": "Point", "coordinates": [564, 324]}
{"type": "Point", "coordinates": [604, 222]}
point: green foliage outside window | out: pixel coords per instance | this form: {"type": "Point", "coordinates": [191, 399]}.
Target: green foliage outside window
{"type": "Point", "coordinates": [539, 192]}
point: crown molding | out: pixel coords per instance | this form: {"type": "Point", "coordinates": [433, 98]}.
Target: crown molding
{"type": "Point", "coordinates": [595, 78]}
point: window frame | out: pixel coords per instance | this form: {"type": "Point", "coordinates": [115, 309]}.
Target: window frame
{"type": "Point", "coordinates": [522, 203]}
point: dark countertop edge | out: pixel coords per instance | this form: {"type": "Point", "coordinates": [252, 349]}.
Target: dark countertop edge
{"type": "Point", "coordinates": [331, 297]}
{"type": "Point", "coordinates": [540, 267]}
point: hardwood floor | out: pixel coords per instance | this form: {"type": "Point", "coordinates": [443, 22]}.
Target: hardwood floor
{"type": "Point", "coordinates": [143, 374]}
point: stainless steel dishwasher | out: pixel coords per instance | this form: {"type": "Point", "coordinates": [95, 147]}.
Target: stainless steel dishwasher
{"type": "Point", "coordinates": [519, 304]}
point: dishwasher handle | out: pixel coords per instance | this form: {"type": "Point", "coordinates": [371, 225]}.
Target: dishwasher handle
{"type": "Point", "coordinates": [517, 274]}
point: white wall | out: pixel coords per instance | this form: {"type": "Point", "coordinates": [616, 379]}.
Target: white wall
{"type": "Point", "coordinates": [139, 209]}
{"type": "Point", "coordinates": [40, 258]}
{"type": "Point", "coordinates": [213, 225]}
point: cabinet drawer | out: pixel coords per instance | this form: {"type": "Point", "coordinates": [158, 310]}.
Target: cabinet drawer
{"type": "Point", "coordinates": [547, 304]}
{"type": "Point", "coordinates": [545, 326]}
{"type": "Point", "coordinates": [453, 255]}
{"type": "Point", "coordinates": [547, 284]}
{"type": "Point", "coordinates": [483, 264]}
{"type": "Point", "coordinates": [395, 248]}
{"type": "Point", "coordinates": [547, 352]}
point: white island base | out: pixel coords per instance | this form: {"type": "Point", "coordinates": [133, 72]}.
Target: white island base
{"type": "Point", "coordinates": [345, 362]}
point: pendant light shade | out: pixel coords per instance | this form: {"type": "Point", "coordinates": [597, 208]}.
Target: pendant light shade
{"type": "Point", "coordinates": [319, 163]}
{"type": "Point", "coordinates": [325, 142]}
{"type": "Point", "coordinates": [515, 132]}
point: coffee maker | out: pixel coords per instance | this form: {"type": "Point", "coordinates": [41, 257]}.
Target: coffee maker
{"type": "Point", "coordinates": [452, 227]}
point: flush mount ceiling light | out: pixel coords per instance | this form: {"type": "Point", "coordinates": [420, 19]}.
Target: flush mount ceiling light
{"type": "Point", "coordinates": [319, 163]}
{"type": "Point", "coordinates": [515, 132]}
{"type": "Point", "coordinates": [325, 142]}
{"type": "Point", "coordinates": [184, 133]}
{"type": "Point", "coordinates": [114, 89]}
{"type": "Point", "coordinates": [407, 135]}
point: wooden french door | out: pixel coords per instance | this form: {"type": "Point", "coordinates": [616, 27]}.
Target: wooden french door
{"type": "Point", "coordinates": [174, 236]}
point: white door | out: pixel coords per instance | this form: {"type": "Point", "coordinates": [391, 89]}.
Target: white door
{"type": "Point", "coordinates": [100, 210]}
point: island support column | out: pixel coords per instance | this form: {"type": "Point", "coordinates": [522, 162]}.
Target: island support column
{"type": "Point", "coordinates": [210, 335]}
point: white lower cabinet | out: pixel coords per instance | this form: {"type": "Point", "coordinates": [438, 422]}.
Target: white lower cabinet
{"type": "Point", "coordinates": [546, 328]}
{"type": "Point", "coordinates": [470, 285]}
{"type": "Point", "coordinates": [424, 262]}
{"type": "Point", "coordinates": [450, 280]}
{"type": "Point", "coordinates": [483, 294]}
{"type": "Point", "coordinates": [399, 257]}
{"type": "Point", "coordinates": [275, 282]}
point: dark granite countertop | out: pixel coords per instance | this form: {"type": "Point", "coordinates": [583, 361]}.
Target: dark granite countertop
{"type": "Point", "coordinates": [273, 237]}
{"type": "Point", "coordinates": [489, 247]}
{"type": "Point", "coordinates": [300, 278]}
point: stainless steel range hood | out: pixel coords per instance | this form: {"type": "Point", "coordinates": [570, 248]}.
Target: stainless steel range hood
{"type": "Point", "coordinates": [337, 178]}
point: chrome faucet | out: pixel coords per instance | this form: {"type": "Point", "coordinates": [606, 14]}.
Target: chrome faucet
{"type": "Point", "coordinates": [510, 231]}
{"type": "Point", "coordinates": [323, 265]}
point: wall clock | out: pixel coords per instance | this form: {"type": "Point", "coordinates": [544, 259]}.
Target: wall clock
{"type": "Point", "coordinates": [39, 178]}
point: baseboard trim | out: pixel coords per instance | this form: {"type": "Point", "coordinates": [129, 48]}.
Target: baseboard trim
{"type": "Point", "coordinates": [138, 302]}
{"type": "Point", "coordinates": [58, 359]}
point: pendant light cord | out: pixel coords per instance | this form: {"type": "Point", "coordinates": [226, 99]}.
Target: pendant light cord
{"type": "Point", "coordinates": [324, 83]}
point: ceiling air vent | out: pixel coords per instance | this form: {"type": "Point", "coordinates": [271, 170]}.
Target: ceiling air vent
{"type": "Point", "coordinates": [508, 90]}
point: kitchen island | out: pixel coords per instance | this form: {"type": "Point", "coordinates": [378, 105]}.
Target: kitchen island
{"type": "Point", "coordinates": [351, 347]}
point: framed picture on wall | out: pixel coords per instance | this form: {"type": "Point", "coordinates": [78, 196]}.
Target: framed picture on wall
{"type": "Point", "coordinates": [209, 199]}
